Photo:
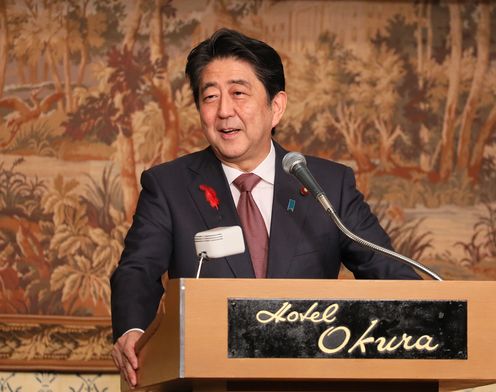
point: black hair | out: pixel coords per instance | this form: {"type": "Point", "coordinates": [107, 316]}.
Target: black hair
{"type": "Point", "coordinates": [225, 43]}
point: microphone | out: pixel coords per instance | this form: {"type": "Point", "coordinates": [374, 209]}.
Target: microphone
{"type": "Point", "coordinates": [218, 242]}
{"type": "Point", "coordinates": [295, 164]}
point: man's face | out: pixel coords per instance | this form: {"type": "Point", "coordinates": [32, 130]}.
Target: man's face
{"type": "Point", "coordinates": [235, 114]}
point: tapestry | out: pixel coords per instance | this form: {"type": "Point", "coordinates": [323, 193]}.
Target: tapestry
{"type": "Point", "coordinates": [93, 92]}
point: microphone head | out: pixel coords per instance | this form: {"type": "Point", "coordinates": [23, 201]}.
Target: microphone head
{"type": "Point", "coordinates": [291, 159]}
{"type": "Point", "coordinates": [220, 242]}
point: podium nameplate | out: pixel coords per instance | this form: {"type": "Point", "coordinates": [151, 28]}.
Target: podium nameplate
{"type": "Point", "coordinates": [373, 329]}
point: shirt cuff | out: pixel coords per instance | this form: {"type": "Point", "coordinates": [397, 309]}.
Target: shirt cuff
{"type": "Point", "coordinates": [133, 329]}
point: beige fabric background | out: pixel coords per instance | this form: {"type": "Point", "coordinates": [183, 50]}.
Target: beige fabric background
{"type": "Point", "coordinates": [92, 92]}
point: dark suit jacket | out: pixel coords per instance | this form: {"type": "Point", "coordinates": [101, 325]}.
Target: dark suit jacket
{"type": "Point", "coordinates": [304, 243]}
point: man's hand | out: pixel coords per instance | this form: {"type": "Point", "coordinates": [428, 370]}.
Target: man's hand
{"type": "Point", "coordinates": [125, 358]}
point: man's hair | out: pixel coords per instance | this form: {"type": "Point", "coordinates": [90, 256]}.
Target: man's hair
{"type": "Point", "coordinates": [225, 43]}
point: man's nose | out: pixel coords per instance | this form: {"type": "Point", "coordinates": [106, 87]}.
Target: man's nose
{"type": "Point", "coordinates": [226, 107]}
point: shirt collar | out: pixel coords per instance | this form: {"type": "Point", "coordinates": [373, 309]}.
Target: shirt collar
{"type": "Point", "coordinates": [265, 170]}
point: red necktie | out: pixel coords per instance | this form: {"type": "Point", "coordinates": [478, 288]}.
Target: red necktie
{"type": "Point", "coordinates": [253, 224]}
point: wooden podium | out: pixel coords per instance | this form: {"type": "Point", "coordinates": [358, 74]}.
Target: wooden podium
{"type": "Point", "coordinates": [186, 349]}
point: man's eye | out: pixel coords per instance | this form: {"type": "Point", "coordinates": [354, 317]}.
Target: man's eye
{"type": "Point", "coordinates": [239, 93]}
{"type": "Point", "coordinates": [208, 98]}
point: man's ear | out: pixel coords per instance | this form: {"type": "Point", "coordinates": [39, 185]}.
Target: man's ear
{"type": "Point", "coordinates": [278, 106]}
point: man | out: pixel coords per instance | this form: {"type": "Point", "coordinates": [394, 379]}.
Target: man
{"type": "Point", "coordinates": [238, 85]}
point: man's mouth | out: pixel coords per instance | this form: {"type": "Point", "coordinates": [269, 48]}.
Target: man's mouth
{"type": "Point", "coordinates": [228, 131]}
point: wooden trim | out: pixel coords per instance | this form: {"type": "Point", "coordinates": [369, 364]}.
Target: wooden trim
{"type": "Point", "coordinates": [61, 343]}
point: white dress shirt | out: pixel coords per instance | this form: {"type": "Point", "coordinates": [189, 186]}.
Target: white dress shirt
{"type": "Point", "coordinates": [263, 192]}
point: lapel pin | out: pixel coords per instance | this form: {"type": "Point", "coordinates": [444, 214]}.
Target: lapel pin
{"type": "Point", "coordinates": [291, 205]}
{"type": "Point", "coordinates": [303, 191]}
{"type": "Point", "coordinates": [210, 196]}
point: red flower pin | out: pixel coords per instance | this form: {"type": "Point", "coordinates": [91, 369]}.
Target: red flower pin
{"type": "Point", "coordinates": [210, 196]}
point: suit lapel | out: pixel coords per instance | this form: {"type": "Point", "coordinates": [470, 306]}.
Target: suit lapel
{"type": "Point", "coordinates": [208, 171]}
{"type": "Point", "coordinates": [286, 222]}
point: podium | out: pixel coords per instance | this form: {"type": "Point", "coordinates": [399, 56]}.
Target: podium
{"type": "Point", "coordinates": [195, 345]}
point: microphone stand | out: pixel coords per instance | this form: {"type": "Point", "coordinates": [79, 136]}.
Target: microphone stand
{"type": "Point", "coordinates": [295, 163]}
{"type": "Point", "coordinates": [202, 256]}
{"type": "Point", "coordinates": [322, 199]}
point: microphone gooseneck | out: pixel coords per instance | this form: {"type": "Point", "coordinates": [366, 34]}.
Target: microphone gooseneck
{"type": "Point", "coordinates": [295, 164]}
